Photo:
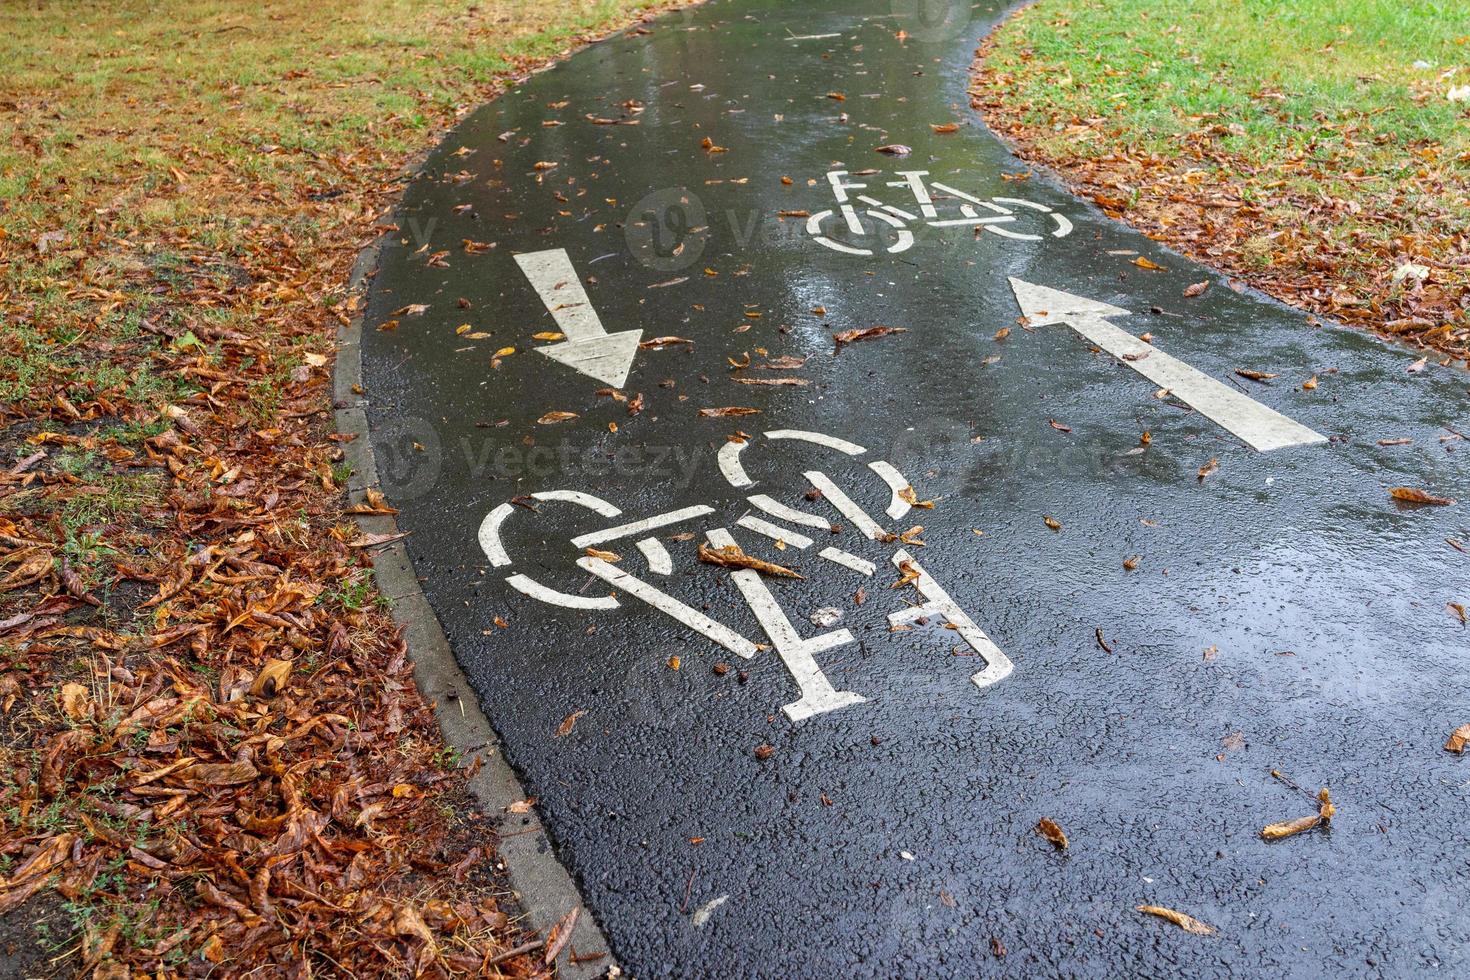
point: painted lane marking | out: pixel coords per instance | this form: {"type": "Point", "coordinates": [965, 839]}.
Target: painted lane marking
{"type": "Point", "coordinates": [734, 473]}
{"type": "Point", "coordinates": [840, 188]}
{"type": "Point", "coordinates": [794, 538]}
{"type": "Point", "coordinates": [638, 527]}
{"type": "Point", "coordinates": [820, 438]}
{"type": "Point", "coordinates": [555, 280]}
{"type": "Point", "coordinates": [925, 199]}
{"type": "Point", "coordinates": [589, 348]}
{"type": "Point", "coordinates": [489, 534]}
{"type": "Point", "coordinates": [845, 505]}
{"type": "Point", "coordinates": [777, 509]}
{"type": "Point", "coordinates": [914, 181]}
{"type": "Point", "coordinates": [701, 915]}
{"type": "Point", "coordinates": [656, 555]}
{"type": "Point", "coordinates": [941, 606]}
{"type": "Point", "coordinates": [729, 460]}
{"type": "Point", "coordinates": [896, 212]}
{"type": "Point", "coordinates": [996, 220]}
{"type": "Point", "coordinates": [578, 497]}
{"type": "Point", "coordinates": [897, 506]}
{"type": "Point", "coordinates": [860, 565]}
{"type": "Point", "coordinates": [1064, 225]}
{"type": "Point", "coordinates": [667, 604]}
{"type": "Point", "coordinates": [798, 654]}
{"type": "Point", "coordinates": [905, 237]}
{"type": "Point", "coordinates": [980, 202]}
{"type": "Point", "coordinates": [1261, 428]}
{"type": "Point", "coordinates": [534, 589]}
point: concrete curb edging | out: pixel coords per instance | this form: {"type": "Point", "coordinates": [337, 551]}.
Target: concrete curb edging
{"type": "Point", "coordinates": [543, 888]}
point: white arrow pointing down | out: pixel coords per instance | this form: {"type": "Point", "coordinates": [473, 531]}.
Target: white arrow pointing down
{"type": "Point", "coordinates": [1262, 428]}
{"type": "Point", "coordinates": [588, 348]}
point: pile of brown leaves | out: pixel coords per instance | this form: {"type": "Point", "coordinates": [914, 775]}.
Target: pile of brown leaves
{"type": "Point", "coordinates": [1247, 219]}
{"type": "Point", "coordinates": [214, 751]}
{"type": "Point", "coordinates": [202, 736]}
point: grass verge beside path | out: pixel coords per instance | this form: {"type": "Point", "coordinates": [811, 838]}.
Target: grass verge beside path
{"type": "Point", "coordinates": [213, 759]}
{"type": "Point", "coordinates": [1309, 147]}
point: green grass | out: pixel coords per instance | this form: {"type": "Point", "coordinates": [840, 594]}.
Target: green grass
{"type": "Point", "coordinates": [141, 137]}
{"type": "Point", "coordinates": [1328, 119]}
{"type": "Point", "coordinates": [1283, 76]}
{"type": "Point", "coordinates": [161, 170]}
{"type": "Point", "coordinates": [353, 593]}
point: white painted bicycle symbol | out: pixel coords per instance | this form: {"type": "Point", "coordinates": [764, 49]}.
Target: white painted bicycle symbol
{"type": "Point", "coordinates": [1003, 216]}
{"type": "Point", "coordinates": [798, 653]}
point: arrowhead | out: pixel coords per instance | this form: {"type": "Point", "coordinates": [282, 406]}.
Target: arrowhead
{"type": "Point", "coordinates": [608, 358]}
{"type": "Point", "coordinates": [1043, 305]}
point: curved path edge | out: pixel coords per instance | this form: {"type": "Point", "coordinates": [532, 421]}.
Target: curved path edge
{"type": "Point", "coordinates": [1079, 189]}
{"type": "Point", "coordinates": [543, 888]}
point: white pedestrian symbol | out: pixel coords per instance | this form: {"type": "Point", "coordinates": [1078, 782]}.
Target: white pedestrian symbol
{"type": "Point", "coordinates": [1001, 216]}
{"type": "Point", "coordinates": [798, 653]}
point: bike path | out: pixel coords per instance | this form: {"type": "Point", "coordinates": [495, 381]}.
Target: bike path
{"type": "Point", "coordinates": [776, 776]}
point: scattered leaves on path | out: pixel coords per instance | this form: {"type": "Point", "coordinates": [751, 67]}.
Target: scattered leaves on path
{"type": "Point", "coordinates": [714, 413]}
{"type": "Point", "coordinates": [731, 556]}
{"type": "Point", "coordinates": [1053, 832]}
{"type": "Point", "coordinates": [1458, 739]}
{"type": "Point", "coordinates": [911, 497]}
{"type": "Point", "coordinates": [1186, 922]}
{"type": "Point", "coordinates": [1290, 828]}
{"type": "Point", "coordinates": [908, 573]}
{"type": "Point", "coordinates": [845, 337]}
{"type": "Point", "coordinates": [774, 382]}
{"type": "Point", "coordinates": [1412, 496]}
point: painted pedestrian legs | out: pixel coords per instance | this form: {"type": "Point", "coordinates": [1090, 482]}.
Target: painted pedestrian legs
{"type": "Point", "coordinates": [800, 654]}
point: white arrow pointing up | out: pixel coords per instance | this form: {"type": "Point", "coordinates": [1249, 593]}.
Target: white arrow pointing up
{"type": "Point", "coordinates": [1260, 427]}
{"type": "Point", "coordinates": [588, 348]}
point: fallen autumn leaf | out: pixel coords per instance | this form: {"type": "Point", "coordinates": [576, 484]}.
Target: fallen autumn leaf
{"type": "Point", "coordinates": [1186, 922]}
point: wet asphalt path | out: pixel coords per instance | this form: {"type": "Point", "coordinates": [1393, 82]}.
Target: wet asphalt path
{"type": "Point", "coordinates": [1284, 613]}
